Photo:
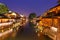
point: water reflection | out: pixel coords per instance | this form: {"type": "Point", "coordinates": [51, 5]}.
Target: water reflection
{"type": "Point", "coordinates": [27, 33]}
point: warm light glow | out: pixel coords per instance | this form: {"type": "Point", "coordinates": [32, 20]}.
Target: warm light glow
{"type": "Point", "coordinates": [2, 30]}
{"type": "Point", "coordinates": [58, 17]}
{"type": "Point", "coordinates": [22, 15]}
{"type": "Point", "coordinates": [14, 13]}
{"type": "Point", "coordinates": [4, 24]}
{"type": "Point", "coordinates": [38, 34]}
{"type": "Point", "coordinates": [10, 11]}
{"type": "Point", "coordinates": [47, 22]}
{"type": "Point", "coordinates": [54, 29]}
{"type": "Point", "coordinates": [55, 9]}
{"type": "Point", "coordinates": [4, 33]}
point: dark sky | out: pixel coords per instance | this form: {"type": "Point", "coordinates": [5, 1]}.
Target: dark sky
{"type": "Point", "coordinates": [28, 6]}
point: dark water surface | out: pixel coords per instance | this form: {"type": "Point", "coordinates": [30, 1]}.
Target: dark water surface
{"type": "Point", "coordinates": [28, 33]}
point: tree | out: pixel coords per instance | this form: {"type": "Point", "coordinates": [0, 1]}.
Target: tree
{"type": "Point", "coordinates": [3, 8]}
{"type": "Point", "coordinates": [32, 15]}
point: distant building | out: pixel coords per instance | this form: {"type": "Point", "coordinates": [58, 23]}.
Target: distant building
{"type": "Point", "coordinates": [12, 15]}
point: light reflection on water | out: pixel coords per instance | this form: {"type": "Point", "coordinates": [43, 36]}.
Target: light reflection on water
{"type": "Point", "coordinates": [27, 33]}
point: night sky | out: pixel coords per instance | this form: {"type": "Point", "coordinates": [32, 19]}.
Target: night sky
{"type": "Point", "coordinates": [27, 6]}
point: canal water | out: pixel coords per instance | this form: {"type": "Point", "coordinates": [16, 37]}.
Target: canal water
{"type": "Point", "coordinates": [28, 33]}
